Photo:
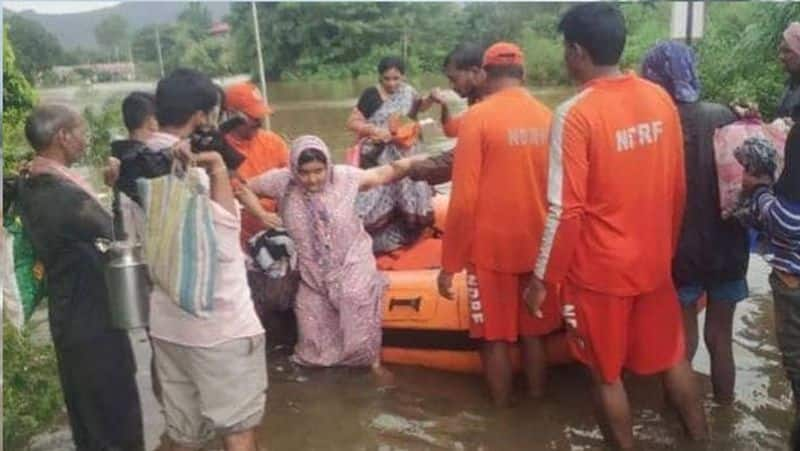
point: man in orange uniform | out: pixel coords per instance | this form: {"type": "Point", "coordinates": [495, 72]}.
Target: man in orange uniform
{"type": "Point", "coordinates": [263, 149]}
{"type": "Point", "coordinates": [616, 195]}
{"type": "Point", "coordinates": [496, 217]}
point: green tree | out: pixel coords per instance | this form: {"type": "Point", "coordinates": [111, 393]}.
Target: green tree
{"type": "Point", "coordinates": [197, 19]}
{"type": "Point", "coordinates": [342, 39]}
{"type": "Point", "coordinates": [647, 23]}
{"type": "Point", "coordinates": [206, 56]}
{"type": "Point", "coordinates": [112, 35]}
{"type": "Point", "coordinates": [104, 124]}
{"type": "Point", "coordinates": [144, 45]}
{"type": "Point", "coordinates": [184, 43]}
{"type": "Point", "coordinates": [738, 55]}
{"type": "Point", "coordinates": [491, 22]}
{"type": "Point", "coordinates": [18, 99]}
{"type": "Point", "coordinates": [37, 49]}
{"type": "Point", "coordinates": [429, 37]}
{"type": "Point", "coordinates": [81, 55]}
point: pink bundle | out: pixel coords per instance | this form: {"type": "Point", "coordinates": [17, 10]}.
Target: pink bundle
{"type": "Point", "coordinates": [729, 171]}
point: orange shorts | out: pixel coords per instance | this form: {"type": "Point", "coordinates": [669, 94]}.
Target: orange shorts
{"type": "Point", "coordinates": [641, 333]}
{"type": "Point", "coordinates": [498, 312]}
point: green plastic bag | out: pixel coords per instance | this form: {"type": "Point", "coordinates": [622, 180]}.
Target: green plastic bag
{"type": "Point", "coordinates": [28, 270]}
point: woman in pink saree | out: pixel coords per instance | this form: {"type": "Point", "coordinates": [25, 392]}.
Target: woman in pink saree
{"type": "Point", "coordinates": [338, 302]}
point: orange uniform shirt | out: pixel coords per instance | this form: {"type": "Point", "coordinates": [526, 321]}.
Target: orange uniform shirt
{"type": "Point", "coordinates": [615, 188]}
{"type": "Point", "coordinates": [497, 205]}
{"type": "Point", "coordinates": [265, 151]}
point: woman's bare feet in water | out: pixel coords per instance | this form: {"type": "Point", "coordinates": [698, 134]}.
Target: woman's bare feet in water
{"type": "Point", "coordinates": [384, 376]}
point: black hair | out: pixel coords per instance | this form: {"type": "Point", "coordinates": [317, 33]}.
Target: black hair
{"type": "Point", "coordinates": [391, 62]}
{"type": "Point", "coordinates": [181, 94]}
{"type": "Point", "coordinates": [136, 108]}
{"type": "Point", "coordinates": [311, 154]}
{"type": "Point", "coordinates": [597, 27]}
{"type": "Point", "coordinates": [505, 70]}
{"type": "Point", "coordinates": [465, 56]}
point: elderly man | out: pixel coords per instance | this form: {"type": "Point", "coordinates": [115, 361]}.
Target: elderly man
{"type": "Point", "coordinates": [64, 217]}
{"type": "Point", "coordinates": [789, 54]}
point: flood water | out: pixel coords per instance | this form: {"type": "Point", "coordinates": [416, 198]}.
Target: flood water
{"type": "Point", "coordinates": [430, 410]}
{"type": "Point", "coordinates": [345, 409]}
{"type": "Point", "coordinates": [300, 108]}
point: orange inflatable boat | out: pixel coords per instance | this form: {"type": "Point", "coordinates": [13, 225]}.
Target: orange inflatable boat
{"type": "Point", "coordinates": [424, 329]}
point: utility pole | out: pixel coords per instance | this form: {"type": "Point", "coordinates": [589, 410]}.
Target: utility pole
{"type": "Point", "coordinates": [261, 74]}
{"type": "Point", "coordinates": [687, 20]}
{"type": "Point", "coordinates": [158, 50]}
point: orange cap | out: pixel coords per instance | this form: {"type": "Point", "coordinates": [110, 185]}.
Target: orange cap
{"type": "Point", "coordinates": [246, 97]}
{"type": "Point", "coordinates": [503, 54]}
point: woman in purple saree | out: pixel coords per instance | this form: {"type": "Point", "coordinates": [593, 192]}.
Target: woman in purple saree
{"type": "Point", "coordinates": [338, 301]}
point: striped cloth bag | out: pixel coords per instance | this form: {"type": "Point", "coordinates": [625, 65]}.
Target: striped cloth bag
{"type": "Point", "coordinates": [180, 245]}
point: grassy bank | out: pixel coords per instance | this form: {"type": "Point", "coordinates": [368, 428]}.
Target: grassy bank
{"type": "Point", "coordinates": [31, 391]}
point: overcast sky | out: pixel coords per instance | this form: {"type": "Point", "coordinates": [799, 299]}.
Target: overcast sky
{"type": "Point", "coordinates": [56, 7]}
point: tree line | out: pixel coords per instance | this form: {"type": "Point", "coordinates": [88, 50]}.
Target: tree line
{"type": "Point", "coordinates": [335, 40]}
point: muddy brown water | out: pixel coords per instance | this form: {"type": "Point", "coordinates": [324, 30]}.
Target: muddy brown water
{"type": "Point", "coordinates": [347, 409]}
{"type": "Point", "coordinates": [430, 410]}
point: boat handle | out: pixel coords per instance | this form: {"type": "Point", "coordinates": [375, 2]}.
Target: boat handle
{"type": "Point", "coordinates": [413, 303]}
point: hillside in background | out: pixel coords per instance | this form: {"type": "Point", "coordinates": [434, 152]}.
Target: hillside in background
{"type": "Point", "coordinates": [73, 30]}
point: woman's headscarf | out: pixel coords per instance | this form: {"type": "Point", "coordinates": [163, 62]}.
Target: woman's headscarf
{"type": "Point", "coordinates": [788, 184]}
{"type": "Point", "coordinates": [320, 224]}
{"type": "Point", "coordinates": [672, 65]}
{"type": "Point", "coordinates": [303, 143]}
